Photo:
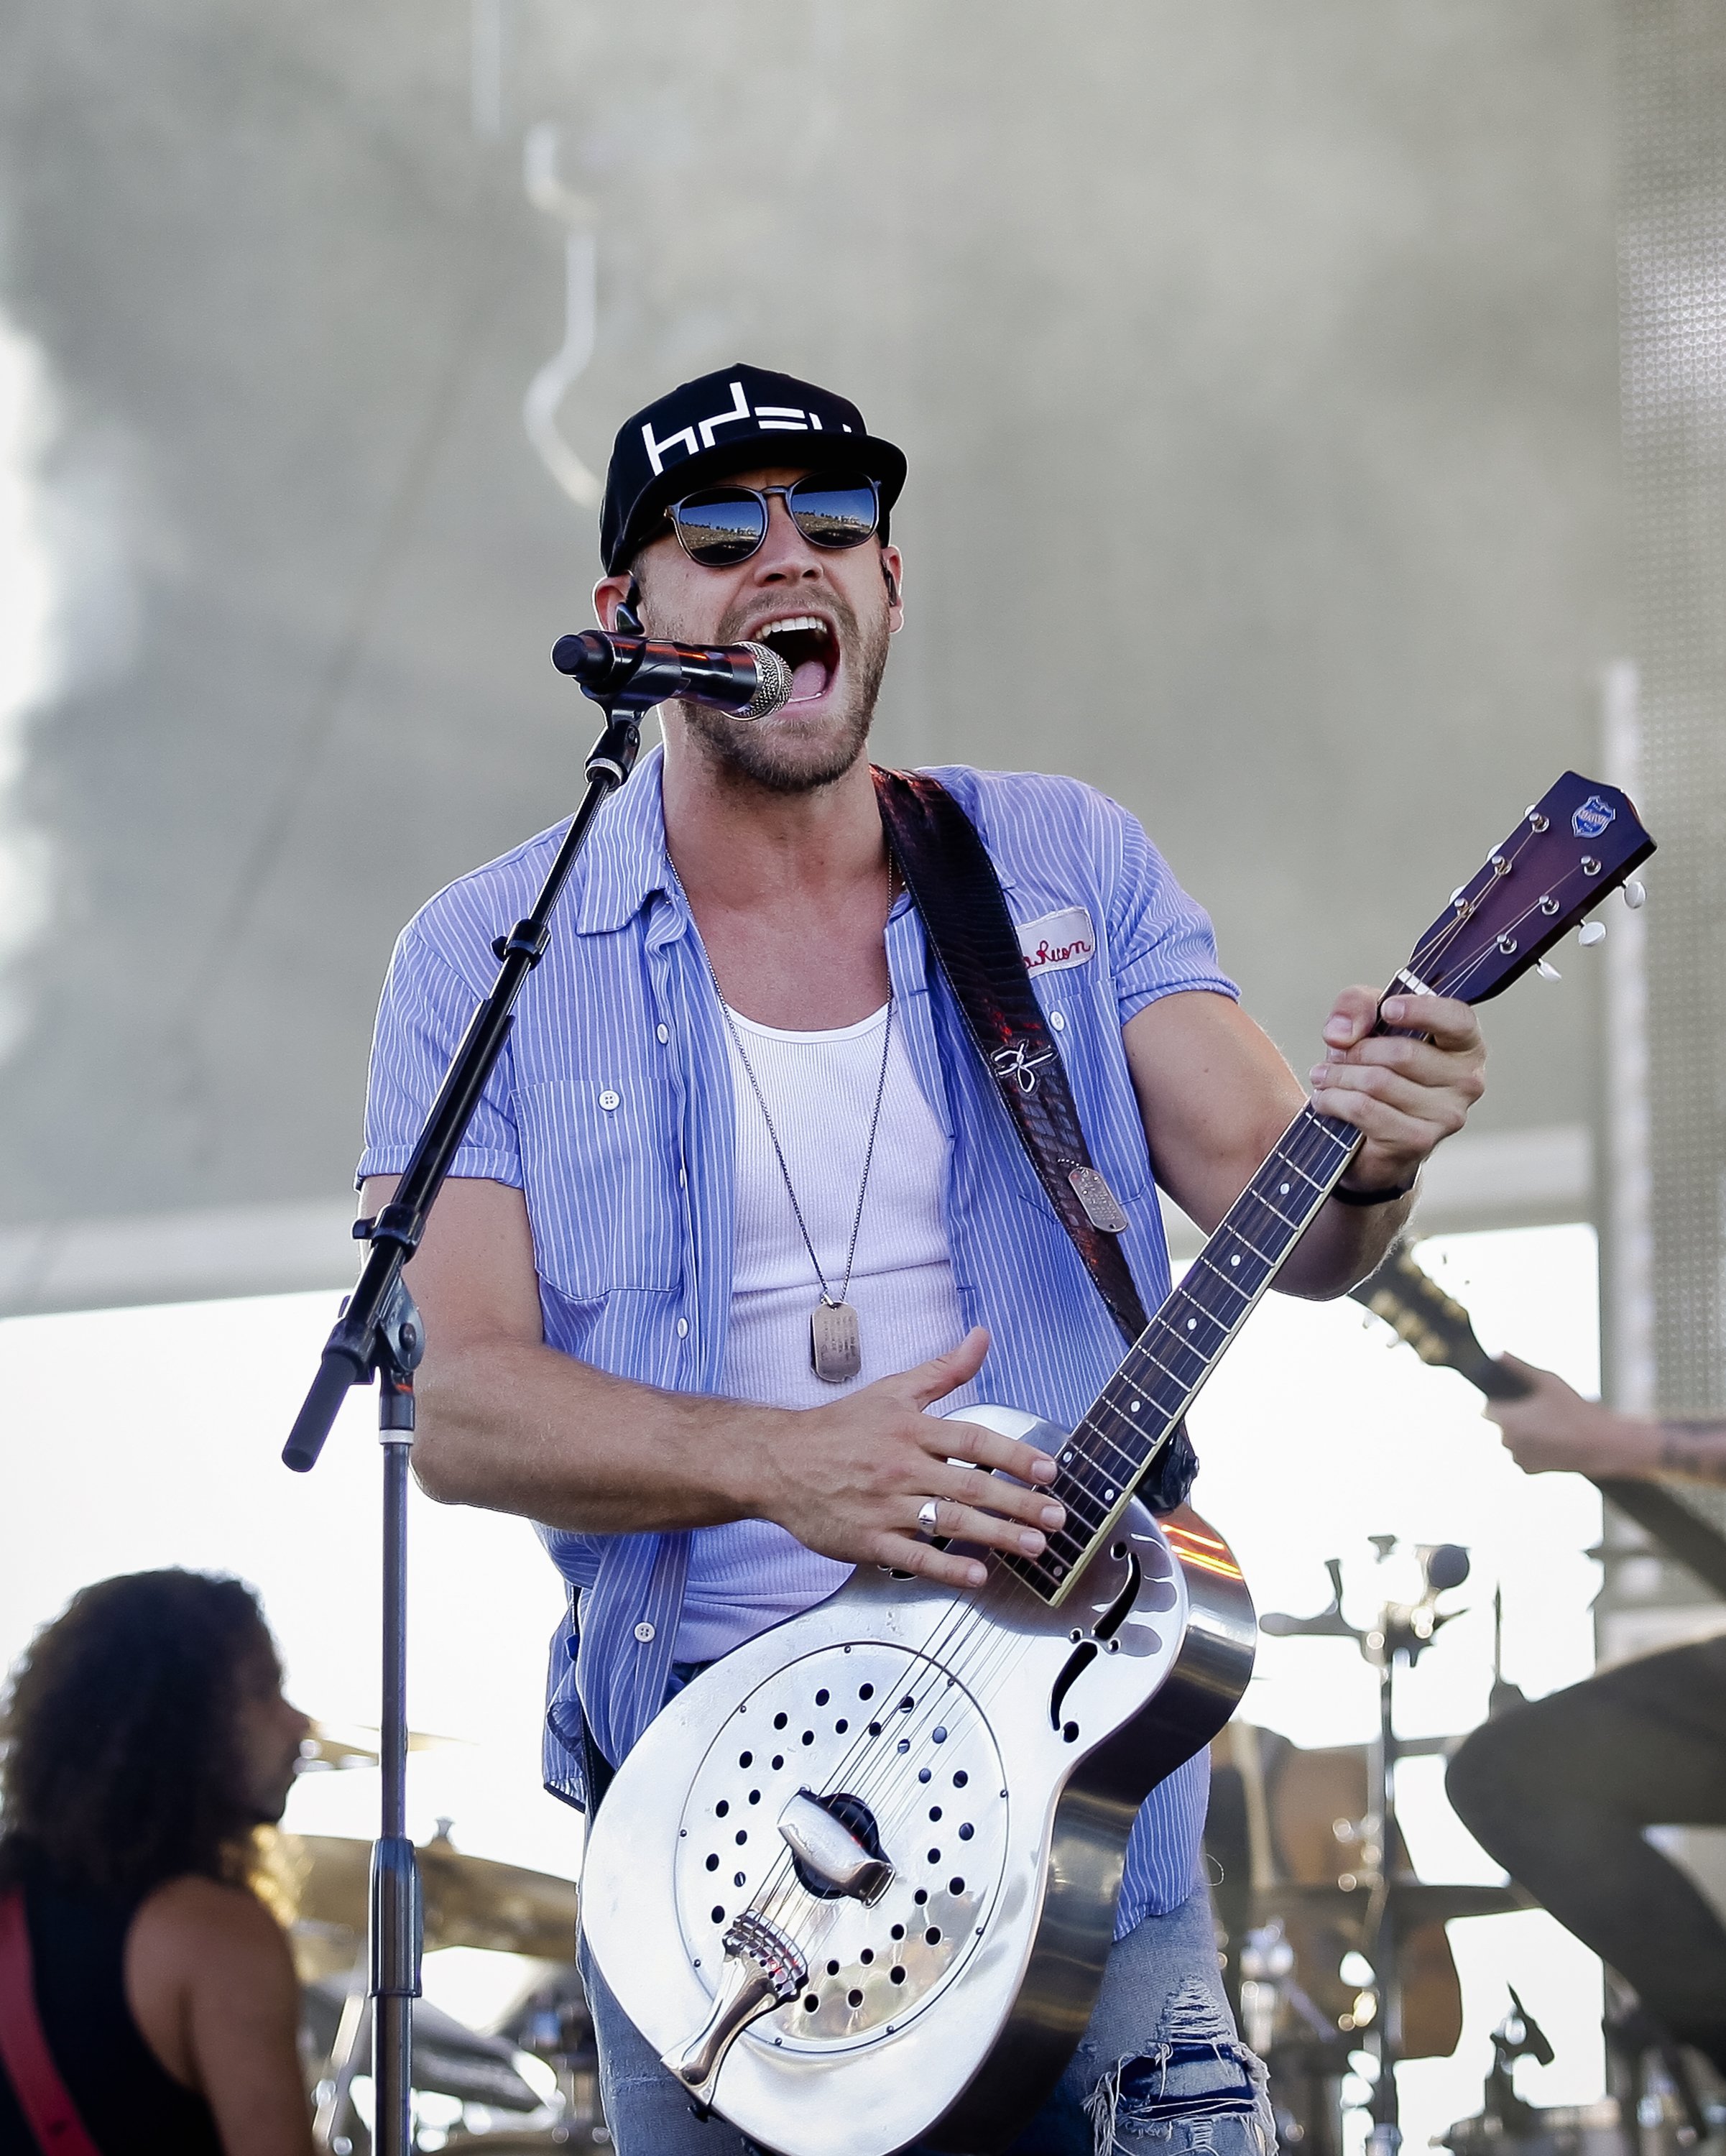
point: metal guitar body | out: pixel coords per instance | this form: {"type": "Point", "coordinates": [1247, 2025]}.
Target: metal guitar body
{"type": "Point", "coordinates": [857, 1883]}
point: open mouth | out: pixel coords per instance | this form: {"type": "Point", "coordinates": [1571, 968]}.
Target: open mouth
{"type": "Point", "coordinates": [810, 647]}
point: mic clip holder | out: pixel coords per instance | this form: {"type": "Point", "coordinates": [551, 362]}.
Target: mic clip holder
{"type": "Point", "coordinates": [398, 1338]}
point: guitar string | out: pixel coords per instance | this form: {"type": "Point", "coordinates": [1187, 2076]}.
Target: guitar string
{"type": "Point", "coordinates": [1447, 935]}
{"type": "Point", "coordinates": [780, 1887]}
{"type": "Point", "coordinates": [971, 1677]}
{"type": "Point", "coordinates": [974, 1680]}
{"type": "Point", "coordinates": [979, 1677]}
{"type": "Point", "coordinates": [963, 1621]}
{"type": "Point", "coordinates": [965, 1686]}
{"type": "Point", "coordinates": [969, 1695]}
{"type": "Point", "coordinates": [958, 1696]}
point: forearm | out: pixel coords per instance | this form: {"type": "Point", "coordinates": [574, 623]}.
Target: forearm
{"type": "Point", "coordinates": [1342, 1246]}
{"type": "Point", "coordinates": [1694, 1450]}
{"type": "Point", "coordinates": [1550, 1429]}
{"type": "Point", "coordinates": [513, 1427]}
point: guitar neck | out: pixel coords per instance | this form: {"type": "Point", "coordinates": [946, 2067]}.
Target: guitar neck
{"type": "Point", "coordinates": [1441, 1332]}
{"type": "Point", "coordinates": [1134, 1414]}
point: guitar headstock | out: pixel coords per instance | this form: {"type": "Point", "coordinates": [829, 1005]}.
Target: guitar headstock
{"type": "Point", "coordinates": [1580, 840]}
{"type": "Point", "coordinates": [1434, 1324]}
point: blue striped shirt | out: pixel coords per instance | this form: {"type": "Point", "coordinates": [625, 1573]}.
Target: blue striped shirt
{"type": "Point", "coordinates": [611, 1110]}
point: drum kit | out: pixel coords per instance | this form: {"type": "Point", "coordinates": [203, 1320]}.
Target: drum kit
{"type": "Point", "coordinates": [529, 2082]}
{"type": "Point", "coordinates": [1337, 1963]}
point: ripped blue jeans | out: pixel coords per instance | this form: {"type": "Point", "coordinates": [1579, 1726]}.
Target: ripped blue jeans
{"type": "Point", "coordinates": [1160, 2070]}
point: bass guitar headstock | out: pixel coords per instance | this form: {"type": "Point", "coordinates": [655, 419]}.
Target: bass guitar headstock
{"type": "Point", "coordinates": [1578, 841]}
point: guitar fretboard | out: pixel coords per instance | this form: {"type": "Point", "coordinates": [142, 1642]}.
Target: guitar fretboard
{"type": "Point", "coordinates": [1131, 1418]}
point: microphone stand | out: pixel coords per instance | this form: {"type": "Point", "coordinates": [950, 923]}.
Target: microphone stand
{"type": "Point", "coordinates": [380, 1332]}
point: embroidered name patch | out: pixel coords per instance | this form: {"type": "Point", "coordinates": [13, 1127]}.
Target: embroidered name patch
{"type": "Point", "coordinates": [1065, 938]}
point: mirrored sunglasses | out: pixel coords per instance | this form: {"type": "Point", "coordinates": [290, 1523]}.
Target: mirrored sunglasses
{"type": "Point", "coordinates": [720, 524]}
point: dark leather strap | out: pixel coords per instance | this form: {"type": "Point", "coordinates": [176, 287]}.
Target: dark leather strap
{"type": "Point", "coordinates": [952, 880]}
{"type": "Point", "coordinates": [48, 2110]}
{"type": "Point", "coordinates": [953, 883]}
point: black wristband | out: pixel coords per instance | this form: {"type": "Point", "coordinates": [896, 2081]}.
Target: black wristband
{"type": "Point", "coordinates": [1371, 1197]}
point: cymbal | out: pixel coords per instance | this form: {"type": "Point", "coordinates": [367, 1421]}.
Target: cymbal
{"type": "Point", "coordinates": [1412, 1901]}
{"type": "Point", "coordinates": [469, 1901]}
{"type": "Point", "coordinates": [328, 1744]}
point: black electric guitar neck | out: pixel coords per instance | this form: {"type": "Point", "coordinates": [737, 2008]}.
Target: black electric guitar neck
{"type": "Point", "coordinates": [1441, 1332]}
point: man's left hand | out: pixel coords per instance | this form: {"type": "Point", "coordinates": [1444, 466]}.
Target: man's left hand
{"type": "Point", "coordinates": [1403, 1094]}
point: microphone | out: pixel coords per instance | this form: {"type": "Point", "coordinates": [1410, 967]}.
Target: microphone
{"type": "Point", "coordinates": [749, 680]}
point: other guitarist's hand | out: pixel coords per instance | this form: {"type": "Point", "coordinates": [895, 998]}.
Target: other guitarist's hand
{"type": "Point", "coordinates": [1405, 1094]}
{"type": "Point", "coordinates": [848, 1480]}
{"type": "Point", "coordinates": [1554, 1430]}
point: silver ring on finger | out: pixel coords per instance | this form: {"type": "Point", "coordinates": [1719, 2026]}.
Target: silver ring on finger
{"type": "Point", "coordinates": [928, 1513]}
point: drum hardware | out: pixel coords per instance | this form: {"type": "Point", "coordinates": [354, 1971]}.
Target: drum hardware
{"type": "Point", "coordinates": [321, 1880]}
{"type": "Point", "coordinates": [1653, 2077]}
{"type": "Point", "coordinates": [1396, 1905]}
{"type": "Point", "coordinates": [554, 2025]}
{"type": "Point", "coordinates": [450, 2059]}
{"type": "Point", "coordinates": [1507, 2126]}
{"type": "Point", "coordinates": [1663, 2116]}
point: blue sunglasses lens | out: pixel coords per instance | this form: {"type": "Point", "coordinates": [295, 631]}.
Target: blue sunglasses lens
{"type": "Point", "coordinates": [726, 524]}
{"type": "Point", "coordinates": [833, 512]}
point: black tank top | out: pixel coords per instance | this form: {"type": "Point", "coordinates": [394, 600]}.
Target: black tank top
{"type": "Point", "coordinates": [131, 2104]}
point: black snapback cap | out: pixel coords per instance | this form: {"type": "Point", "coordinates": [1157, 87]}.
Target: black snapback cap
{"type": "Point", "coordinates": [704, 430]}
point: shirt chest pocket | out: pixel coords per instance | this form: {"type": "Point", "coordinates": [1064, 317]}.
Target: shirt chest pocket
{"type": "Point", "coordinates": [600, 1171]}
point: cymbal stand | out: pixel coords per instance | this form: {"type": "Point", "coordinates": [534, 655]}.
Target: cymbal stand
{"type": "Point", "coordinates": [380, 1333]}
{"type": "Point", "coordinates": [1398, 1638]}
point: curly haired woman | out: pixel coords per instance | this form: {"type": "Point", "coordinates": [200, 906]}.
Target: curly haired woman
{"type": "Point", "coordinates": [146, 1739]}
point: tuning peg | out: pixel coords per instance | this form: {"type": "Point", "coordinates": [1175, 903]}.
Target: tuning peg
{"type": "Point", "coordinates": [1590, 933]}
{"type": "Point", "coordinates": [1549, 972]}
{"type": "Point", "coordinates": [1635, 894]}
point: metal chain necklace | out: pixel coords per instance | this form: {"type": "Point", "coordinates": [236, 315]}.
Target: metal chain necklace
{"type": "Point", "coordinates": [835, 1343]}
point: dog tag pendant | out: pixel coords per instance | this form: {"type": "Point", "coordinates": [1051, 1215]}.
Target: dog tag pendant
{"type": "Point", "coordinates": [834, 1347]}
{"type": "Point", "coordinates": [1102, 1207]}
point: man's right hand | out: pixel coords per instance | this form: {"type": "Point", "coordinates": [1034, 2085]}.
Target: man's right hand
{"type": "Point", "coordinates": [848, 1480]}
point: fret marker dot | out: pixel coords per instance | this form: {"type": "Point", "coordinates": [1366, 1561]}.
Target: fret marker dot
{"type": "Point", "coordinates": [1236, 1260]}
{"type": "Point", "coordinates": [1134, 1410]}
{"type": "Point", "coordinates": [1066, 1459]}
{"type": "Point", "coordinates": [1282, 1189]}
{"type": "Point", "coordinates": [1192, 1324]}
{"type": "Point", "coordinates": [1109, 1495]}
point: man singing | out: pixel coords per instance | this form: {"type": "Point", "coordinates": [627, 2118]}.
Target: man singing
{"type": "Point", "coordinates": [739, 1094]}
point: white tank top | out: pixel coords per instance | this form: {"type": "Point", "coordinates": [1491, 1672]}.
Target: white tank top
{"type": "Point", "coordinates": [820, 1090]}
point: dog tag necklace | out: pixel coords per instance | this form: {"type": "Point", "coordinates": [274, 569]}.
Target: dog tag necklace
{"type": "Point", "coordinates": [835, 1346]}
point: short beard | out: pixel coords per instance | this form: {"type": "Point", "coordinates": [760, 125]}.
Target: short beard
{"type": "Point", "coordinates": [762, 755]}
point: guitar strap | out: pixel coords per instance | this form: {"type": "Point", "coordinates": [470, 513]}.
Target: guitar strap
{"type": "Point", "coordinates": [42, 2096]}
{"type": "Point", "coordinates": [952, 881]}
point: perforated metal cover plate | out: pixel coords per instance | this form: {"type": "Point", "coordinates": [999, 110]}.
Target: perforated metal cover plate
{"type": "Point", "coordinates": [891, 1728]}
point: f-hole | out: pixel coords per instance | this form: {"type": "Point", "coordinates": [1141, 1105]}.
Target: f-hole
{"type": "Point", "coordinates": [1110, 1622]}
{"type": "Point", "coordinates": [1078, 1662]}
{"type": "Point", "coordinates": [1105, 1628]}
